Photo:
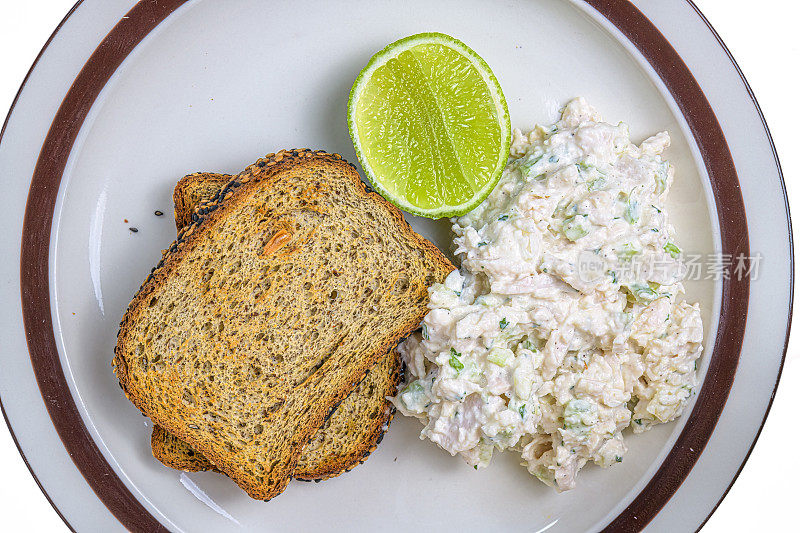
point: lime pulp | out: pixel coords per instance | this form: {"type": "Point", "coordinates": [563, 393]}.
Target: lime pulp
{"type": "Point", "coordinates": [430, 125]}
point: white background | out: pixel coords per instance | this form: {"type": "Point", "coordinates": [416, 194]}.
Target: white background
{"type": "Point", "coordinates": [763, 39]}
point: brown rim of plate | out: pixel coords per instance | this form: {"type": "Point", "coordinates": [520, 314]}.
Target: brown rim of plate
{"type": "Point", "coordinates": [138, 23]}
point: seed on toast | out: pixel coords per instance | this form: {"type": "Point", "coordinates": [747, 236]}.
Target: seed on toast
{"type": "Point", "coordinates": [292, 253]}
{"type": "Point", "coordinates": [193, 189]}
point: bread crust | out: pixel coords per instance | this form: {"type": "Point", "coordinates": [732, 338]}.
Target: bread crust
{"type": "Point", "coordinates": [206, 215]}
{"type": "Point", "coordinates": [185, 196]}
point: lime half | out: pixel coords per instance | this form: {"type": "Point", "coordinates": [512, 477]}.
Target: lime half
{"type": "Point", "coordinates": [430, 125]}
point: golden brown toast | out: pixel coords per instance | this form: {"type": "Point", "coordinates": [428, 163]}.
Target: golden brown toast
{"type": "Point", "coordinates": [292, 253]}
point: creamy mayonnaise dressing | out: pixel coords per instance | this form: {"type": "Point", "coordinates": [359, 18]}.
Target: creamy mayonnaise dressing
{"type": "Point", "coordinates": [565, 324]}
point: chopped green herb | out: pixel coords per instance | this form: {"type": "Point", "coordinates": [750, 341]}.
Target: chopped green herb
{"type": "Point", "coordinates": [475, 467]}
{"type": "Point", "coordinates": [425, 333]}
{"type": "Point", "coordinates": [613, 275]}
{"type": "Point", "coordinates": [654, 207]}
{"type": "Point", "coordinates": [503, 217]}
{"type": "Point", "coordinates": [672, 250]}
{"type": "Point", "coordinates": [522, 411]}
{"type": "Point", "coordinates": [503, 323]}
{"type": "Point", "coordinates": [553, 159]}
{"type": "Point", "coordinates": [618, 459]}
{"type": "Point", "coordinates": [454, 361]}
{"type": "Point", "coordinates": [638, 421]}
{"type": "Point", "coordinates": [482, 243]}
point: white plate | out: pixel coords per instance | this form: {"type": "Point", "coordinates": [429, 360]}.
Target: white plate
{"type": "Point", "coordinates": [179, 87]}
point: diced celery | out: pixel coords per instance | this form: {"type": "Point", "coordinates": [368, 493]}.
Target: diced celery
{"type": "Point", "coordinates": [627, 252]}
{"type": "Point", "coordinates": [523, 384]}
{"type": "Point", "coordinates": [641, 294]}
{"type": "Point", "coordinates": [485, 450]}
{"type": "Point", "coordinates": [414, 387]}
{"type": "Point", "coordinates": [596, 184]}
{"type": "Point", "coordinates": [413, 396]}
{"type": "Point", "coordinates": [528, 344]}
{"type": "Point", "coordinates": [489, 300]}
{"type": "Point", "coordinates": [575, 227]}
{"type": "Point", "coordinates": [632, 211]}
{"type": "Point", "coordinates": [662, 176]}
{"type": "Point", "coordinates": [573, 412]}
{"type": "Point", "coordinates": [500, 356]}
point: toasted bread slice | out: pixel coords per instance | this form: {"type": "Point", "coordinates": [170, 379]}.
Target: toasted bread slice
{"type": "Point", "coordinates": [351, 432]}
{"type": "Point", "coordinates": [293, 253]}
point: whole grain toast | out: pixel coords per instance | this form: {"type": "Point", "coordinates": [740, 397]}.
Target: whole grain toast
{"type": "Point", "coordinates": [351, 432]}
{"type": "Point", "coordinates": [346, 439]}
{"type": "Point", "coordinates": [293, 252]}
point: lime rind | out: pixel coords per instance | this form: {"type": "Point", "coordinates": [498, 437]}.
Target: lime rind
{"type": "Point", "coordinates": [396, 48]}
